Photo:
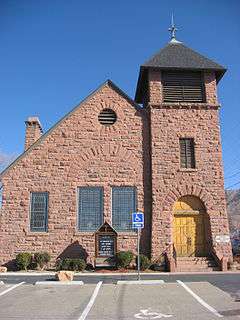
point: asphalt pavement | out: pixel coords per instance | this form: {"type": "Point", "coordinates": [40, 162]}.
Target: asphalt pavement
{"type": "Point", "coordinates": [177, 300]}
{"type": "Point", "coordinates": [228, 282]}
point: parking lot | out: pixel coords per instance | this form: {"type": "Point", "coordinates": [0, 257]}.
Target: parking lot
{"type": "Point", "coordinates": [99, 301]}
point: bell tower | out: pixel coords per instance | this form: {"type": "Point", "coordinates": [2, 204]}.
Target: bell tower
{"type": "Point", "coordinates": [178, 88]}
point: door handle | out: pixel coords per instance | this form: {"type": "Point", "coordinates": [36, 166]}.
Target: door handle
{"type": "Point", "coordinates": [189, 241]}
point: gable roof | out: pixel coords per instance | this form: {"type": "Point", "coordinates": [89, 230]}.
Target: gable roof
{"type": "Point", "coordinates": [175, 55]}
{"type": "Point", "coordinates": [106, 227]}
{"type": "Point", "coordinates": [45, 135]}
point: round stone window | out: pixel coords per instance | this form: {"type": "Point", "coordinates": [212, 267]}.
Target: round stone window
{"type": "Point", "coordinates": [107, 117]}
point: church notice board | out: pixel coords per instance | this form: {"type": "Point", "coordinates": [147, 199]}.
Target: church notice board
{"type": "Point", "coordinates": [106, 245]}
{"type": "Point", "coordinates": [106, 241]}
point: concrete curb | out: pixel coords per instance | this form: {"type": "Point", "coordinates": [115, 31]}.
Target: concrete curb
{"type": "Point", "coordinates": [141, 282]}
{"type": "Point", "coordinates": [85, 274]}
{"type": "Point", "coordinates": [151, 273]}
{"type": "Point", "coordinates": [59, 283]}
{"type": "Point", "coordinates": [27, 274]}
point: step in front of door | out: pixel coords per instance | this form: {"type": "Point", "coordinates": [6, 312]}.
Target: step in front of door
{"type": "Point", "coordinates": [200, 264]}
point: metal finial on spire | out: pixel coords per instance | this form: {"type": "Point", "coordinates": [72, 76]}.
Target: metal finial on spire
{"type": "Point", "coordinates": [173, 30]}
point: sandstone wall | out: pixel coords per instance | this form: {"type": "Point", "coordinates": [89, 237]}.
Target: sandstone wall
{"type": "Point", "coordinates": [77, 152]}
{"type": "Point", "coordinates": [169, 122]}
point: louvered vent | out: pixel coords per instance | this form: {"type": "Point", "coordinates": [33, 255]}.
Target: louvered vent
{"type": "Point", "coordinates": [107, 117]}
{"type": "Point", "coordinates": [183, 87]}
{"type": "Point", "coordinates": [187, 153]}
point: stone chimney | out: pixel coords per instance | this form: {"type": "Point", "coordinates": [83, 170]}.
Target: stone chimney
{"type": "Point", "coordinates": [33, 131]}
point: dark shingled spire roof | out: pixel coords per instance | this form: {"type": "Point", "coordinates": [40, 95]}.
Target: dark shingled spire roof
{"type": "Point", "coordinates": [176, 55]}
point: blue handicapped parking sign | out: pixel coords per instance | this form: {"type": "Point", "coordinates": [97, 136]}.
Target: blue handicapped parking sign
{"type": "Point", "coordinates": [138, 220]}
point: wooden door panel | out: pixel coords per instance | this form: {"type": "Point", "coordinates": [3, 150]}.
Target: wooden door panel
{"type": "Point", "coordinates": [188, 235]}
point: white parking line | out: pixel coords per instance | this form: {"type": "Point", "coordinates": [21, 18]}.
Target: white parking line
{"type": "Point", "coordinates": [11, 288]}
{"type": "Point", "coordinates": [91, 301]}
{"type": "Point", "coordinates": [200, 300]}
{"type": "Point", "coordinates": [59, 283]}
{"type": "Point", "coordinates": [152, 282]}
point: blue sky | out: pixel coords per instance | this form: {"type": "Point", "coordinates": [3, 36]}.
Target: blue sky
{"type": "Point", "coordinates": [53, 53]}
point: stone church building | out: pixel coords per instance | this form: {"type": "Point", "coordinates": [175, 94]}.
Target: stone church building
{"type": "Point", "coordinates": [73, 189]}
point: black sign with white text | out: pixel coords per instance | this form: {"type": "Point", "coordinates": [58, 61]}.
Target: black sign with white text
{"type": "Point", "coordinates": [106, 245]}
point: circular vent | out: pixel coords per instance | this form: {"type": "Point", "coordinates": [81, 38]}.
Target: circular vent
{"type": "Point", "coordinates": [107, 117]}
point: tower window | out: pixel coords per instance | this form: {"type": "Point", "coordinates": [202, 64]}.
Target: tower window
{"type": "Point", "coordinates": [107, 117]}
{"type": "Point", "coordinates": [181, 86]}
{"type": "Point", "coordinates": [187, 153]}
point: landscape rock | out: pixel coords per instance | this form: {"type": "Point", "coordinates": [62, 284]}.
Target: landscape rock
{"type": "Point", "coordinates": [3, 269]}
{"type": "Point", "coordinates": [64, 275]}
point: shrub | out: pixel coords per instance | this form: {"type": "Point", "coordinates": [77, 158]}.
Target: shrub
{"type": "Point", "coordinates": [71, 264]}
{"type": "Point", "coordinates": [159, 264]}
{"type": "Point", "coordinates": [23, 260]}
{"type": "Point", "coordinates": [32, 265]}
{"type": "Point", "coordinates": [77, 264]}
{"type": "Point", "coordinates": [124, 258]}
{"type": "Point", "coordinates": [89, 267]}
{"type": "Point", "coordinates": [157, 267]}
{"type": "Point", "coordinates": [63, 264]}
{"type": "Point", "coordinates": [42, 259]}
{"type": "Point", "coordinates": [144, 262]}
{"type": "Point", "coordinates": [58, 264]}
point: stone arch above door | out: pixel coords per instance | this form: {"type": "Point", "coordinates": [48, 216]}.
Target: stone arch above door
{"type": "Point", "coordinates": [181, 191]}
{"type": "Point", "coordinates": [188, 203]}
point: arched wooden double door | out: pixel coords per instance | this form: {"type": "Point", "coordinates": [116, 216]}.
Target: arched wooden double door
{"type": "Point", "coordinates": [189, 227]}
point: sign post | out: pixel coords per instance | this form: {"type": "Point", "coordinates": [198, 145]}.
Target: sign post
{"type": "Point", "coordinates": [138, 223]}
{"type": "Point", "coordinates": [138, 258]}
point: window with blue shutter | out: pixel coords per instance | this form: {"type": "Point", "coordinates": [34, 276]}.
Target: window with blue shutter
{"type": "Point", "coordinates": [124, 203]}
{"type": "Point", "coordinates": [90, 208]}
{"type": "Point", "coordinates": [39, 211]}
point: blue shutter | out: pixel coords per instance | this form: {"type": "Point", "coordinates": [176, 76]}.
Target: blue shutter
{"type": "Point", "coordinates": [39, 211]}
{"type": "Point", "coordinates": [123, 205]}
{"type": "Point", "coordinates": [90, 208]}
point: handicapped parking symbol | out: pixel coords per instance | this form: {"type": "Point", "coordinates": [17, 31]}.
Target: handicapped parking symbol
{"type": "Point", "coordinates": [138, 218]}
{"type": "Point", "coordinates": [147, 314]}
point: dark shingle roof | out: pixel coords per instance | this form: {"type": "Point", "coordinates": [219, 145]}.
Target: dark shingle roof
{"type": "Point", "coordinates": [176, 55]}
